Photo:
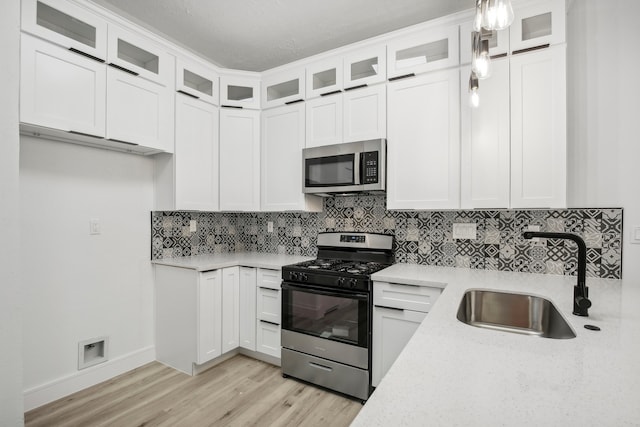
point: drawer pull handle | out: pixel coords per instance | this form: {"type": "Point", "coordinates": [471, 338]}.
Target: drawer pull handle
{"type": "Point", "coordinates": [269, 323]}
{"type": "Point", "coordinates": [126, 70]}
{"type": "Point", "coordinates": [322, 367]}
{"type": "Point", "coordinates": [529, 49]}
{"type": "Point", "coordinates": [389, 308]}
{"type": "Point", "coordinates": [79, 52]}
{"type": "Point", "coordinates": [187, 93]}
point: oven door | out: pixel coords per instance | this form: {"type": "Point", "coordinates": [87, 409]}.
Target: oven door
{"type": "Point", "coordinates": [334, 315]}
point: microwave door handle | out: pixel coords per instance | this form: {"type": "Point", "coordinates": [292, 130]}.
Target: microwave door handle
{"type": "Point", "coordinates": [356, 168]}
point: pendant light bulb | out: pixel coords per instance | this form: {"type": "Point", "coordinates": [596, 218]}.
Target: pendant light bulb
{"type": "Point", "coordinates": [477, 18]}
{"type": "Point", "coordinates": [488, 14]}
{"type": "Point", "coordinates": [503, 14]}
{"type": "Point", "coordinates": [480, 59]}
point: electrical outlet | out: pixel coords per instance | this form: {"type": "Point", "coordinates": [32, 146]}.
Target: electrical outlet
{"type": "Point", "coordinates": [466, 230]}
{"type": "Point", "coordinates": [635, 235]}
{"type": "Point", "coordinates": [94, 226]}
{"type": "Point", "coordinates": [193, 225]}
{"type": "Point", "coordinates": [270, 226]}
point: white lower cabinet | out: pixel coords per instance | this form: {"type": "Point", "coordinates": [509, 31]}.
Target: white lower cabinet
{"type": "Point", "coordinates": [268, 312]}
{"type": "Point", "coordinates": [423, 147]}
{"type": "Point", "coordinates": [398, 311]}
{"type": "Point", "coordinates": [248, 308]}
{"type": "Point", "coordinates": [196, 315]}
{"type": "Point", "coordinates": [230, 308]}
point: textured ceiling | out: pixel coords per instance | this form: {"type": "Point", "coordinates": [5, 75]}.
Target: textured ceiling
{"type": "Point", "coordinates": [257, 35]}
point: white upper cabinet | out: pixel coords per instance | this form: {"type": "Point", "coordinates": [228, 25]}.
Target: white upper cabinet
{"type": "Point", "coordinates": [137, 55]}
{"type": "Point", "coordinates": [60, 89]}
{"type": "Point", "coordinates": [423, 148]}
{"type": "Point", "coordinates": [283, 87]}
{"type": "Point", "coordinates": [139, 111]}
{"type": "Point", "coordinates": [423, 51]}
{"type": "Point", "coordinates": [239, 160]}
{"type": "Point", "coordinates": [485, 154]}
{"type": "Point", "coordinates": [365, 113]}
{"type": "Point", "coordinates": [538, 129]}
{"type": "Point", "coordinates": [538, 23]}
{"type": "Point", "coordinates": [196, 155]}
{"type": "Point", "coordinates": [365, 66]}
{"type": "Point", "coordinates": [67, 24]}
{"type": "Point", "coordinates": [324, 77]}
{"type": "Point", "coordinates": [281, 166]}
{"type": "Point", "coordinates": [324, 120]}
{"type": "Point", "coordinates": [498, 42]}
{"type": "Point", "coordinates": [240, 91]}
{"type": "Point", "coordinates": [197, 81]}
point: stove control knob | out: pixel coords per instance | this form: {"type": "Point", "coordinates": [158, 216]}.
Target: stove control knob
{"type": "Point", "coordinates": [353, 283]}
{"type": "Point", "coordinates": [303, 277]}
{"type": "Point", "coordinates": [293, 275]}
{"type": "Point", "coordinates": [341, 281]}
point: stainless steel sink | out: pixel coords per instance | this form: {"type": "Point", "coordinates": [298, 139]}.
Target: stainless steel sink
{"type": "Point", "coordinates": [513, 312]}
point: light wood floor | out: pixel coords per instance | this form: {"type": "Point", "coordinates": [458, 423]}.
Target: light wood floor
{"type": "Point", "coordinates": [238, 392]}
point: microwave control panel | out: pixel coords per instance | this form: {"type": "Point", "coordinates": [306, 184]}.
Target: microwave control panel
{"type": "Point", "coordinates": [369, 167]}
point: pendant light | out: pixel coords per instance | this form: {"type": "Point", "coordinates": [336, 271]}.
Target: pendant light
{"type": "Point", "coordinates": [480, 60]}
{"type": "Point", "coordinates": [495, 14]}
{"type": "Point", "coordinates": [474, 98]}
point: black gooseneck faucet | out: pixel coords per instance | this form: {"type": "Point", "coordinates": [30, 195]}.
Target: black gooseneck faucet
{"type": "Point", "coordinates": [581, 301]}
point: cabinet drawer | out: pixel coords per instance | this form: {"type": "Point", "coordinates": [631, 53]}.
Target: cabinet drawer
{"type": "Point", "coordinates": [268, 338]}
{"type": "Point", "coordinates": [269, 278]}
{"type": "Point", "coordinates": [268, 305]}
{"type": "Point", "coordinates": [408, 297]}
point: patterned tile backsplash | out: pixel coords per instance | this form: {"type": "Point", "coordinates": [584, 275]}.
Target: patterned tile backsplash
{"type": "Point", "coordinates": [421, 237]}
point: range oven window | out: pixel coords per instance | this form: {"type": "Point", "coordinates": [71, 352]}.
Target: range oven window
{"type": "Point", "coordinates": [326, 314]}
{"type": "Point", "coordinates": [330, 171]}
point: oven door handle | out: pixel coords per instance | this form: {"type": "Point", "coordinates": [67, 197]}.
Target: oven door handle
{"type": "Point", "coordinates": [324, 291]}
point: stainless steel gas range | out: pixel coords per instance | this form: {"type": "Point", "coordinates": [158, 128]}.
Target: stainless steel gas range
{"type": "Point", "coordinates": [326, 312]}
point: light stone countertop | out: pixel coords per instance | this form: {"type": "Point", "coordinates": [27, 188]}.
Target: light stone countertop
{"type": "Point", "coordinates": [245, 259]}
{"type": "Point", "coordinates": [453, 374]}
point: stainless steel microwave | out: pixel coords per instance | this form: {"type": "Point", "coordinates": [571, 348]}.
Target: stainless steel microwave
{"type": "Point", "coordinates": [345, 168]}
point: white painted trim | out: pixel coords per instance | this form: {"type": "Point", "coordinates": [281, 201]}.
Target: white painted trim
{"type": "Point", "coordinates": [61, 387]}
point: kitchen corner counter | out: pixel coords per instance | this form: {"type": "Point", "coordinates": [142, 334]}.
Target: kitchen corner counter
{"type": "Point", "coordinates": [452, 374]}
{"type": "Point", "coordinates": [245, 259]}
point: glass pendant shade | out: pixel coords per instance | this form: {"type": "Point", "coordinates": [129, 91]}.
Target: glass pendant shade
{"type": "Point", "coordinates": [477, 18]}
{"type": "Point", "coordinates": [496, 14]}
{"type": "Point", "coordinates": [480, 60]}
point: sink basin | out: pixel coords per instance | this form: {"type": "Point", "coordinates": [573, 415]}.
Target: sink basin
{"type": "Point", "coordinates": [513, 312]}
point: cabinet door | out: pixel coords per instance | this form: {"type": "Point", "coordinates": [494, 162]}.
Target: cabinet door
{"type": "Point", "coordinates": [240, 91]}
{"type": "Point", "coordinates": [139, 111]}
{"type": "Point", "coordinates": [423, 51]}
{"type": "Point", "coordinates": [196, 155]}
{"type": "Point", "coordinates": [282, 88]}
{"type": "Point", "coordinates": [324, 77]}
{"type": "Point", "coordinates": [268, 305]}
{"type": "Point", "coordinates": [197, 81]}
{"type": "Point", "coordinates": [230, 308]}
{"type": "Point", "coordinates": [281, 144]}
{"type": "Point", "coordinates": [365, 67]}
{"type": "Point", "coordinates": [66, 24]}
{"type": "Point", "coordinates": [537, 24]}
{"type": "Point", "coordinates": [485, 136]}
{"type": "Point", "coordinates": [392, 330]}
{"type": "Point", "coordinates": [209, 316]}
{"type": "Point", "coordinates": [248, 308]}
{"type": "Point", "coordinates": [60, 89]}
{"type": "Point", "coordinates": [139, 56]}
{"type": "Point", "coordinates": [268, 338]}
{"type": "Point", "coordinates": [239, 160]}
{"type": "Point", "coordinates": [538, 129]}
{"type": "Point", "coordinates": [365, 113]}
{"type": "Point", "coordinates": [324, 121]}
{"type": "Point", "coordinates": [424, 142]}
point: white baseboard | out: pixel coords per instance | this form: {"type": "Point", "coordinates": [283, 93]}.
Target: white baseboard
{"type": "Point", "coordinates": [61, 387]}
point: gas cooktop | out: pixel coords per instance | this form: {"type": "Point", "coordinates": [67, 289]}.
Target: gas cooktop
{"type": "Point", "coordinates": [347, 267]}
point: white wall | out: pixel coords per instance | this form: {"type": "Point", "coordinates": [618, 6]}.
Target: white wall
{"type": "Point", "coordinates": [79, 286]}
{"type": "Point", "coordinates": [604, 112]}
{"type": "Point", "coordinates": [10, 297]}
